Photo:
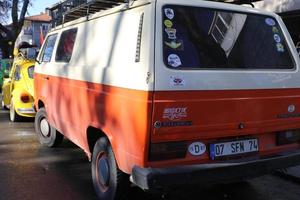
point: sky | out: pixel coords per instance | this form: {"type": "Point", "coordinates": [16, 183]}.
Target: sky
{"type": "Point", "coordinates": [39, 6]}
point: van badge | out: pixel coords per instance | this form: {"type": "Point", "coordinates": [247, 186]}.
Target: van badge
{"type": "Point", "coordinates": [171, 33]}
{"type": "Point", "coordinates": [169, 13]}
{"type": "Point", "coordinates": [175, 113]}
{"type": "Point", "coordinates": [168, 23]}
{"type": "Point", "coordinates": [174, 60]}
{"type": "Point", "coordinates": [157, 124]}
{"type": "Point", "coordinates": [291, 108]}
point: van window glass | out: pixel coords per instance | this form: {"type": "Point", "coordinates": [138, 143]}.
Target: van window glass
{"type": "Point", "coordinates": [65, 46]}
{"type": "Point", "coordinates": [202, 38]}
{"type": "Point", "coordinates": [31, 71]}
{"type": "Point", "coordinates": [48, 49]}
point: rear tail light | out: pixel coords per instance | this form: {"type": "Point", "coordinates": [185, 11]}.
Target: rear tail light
{"type": "Point", "coordinates": [288, 137]}
{"type": "Point", "coordinates": [25, 98]}
{"type": "Point", "coordinates": [167, 150]}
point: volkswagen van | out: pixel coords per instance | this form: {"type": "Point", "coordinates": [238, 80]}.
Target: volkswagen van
{"type": "Point", "coordinates": [164, 93]}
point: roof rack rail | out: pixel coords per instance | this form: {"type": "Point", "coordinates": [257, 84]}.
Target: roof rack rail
{"type": "Point", "coordinates": [239, 2]}
{"type": "Point", "coordinates": [69, 10]}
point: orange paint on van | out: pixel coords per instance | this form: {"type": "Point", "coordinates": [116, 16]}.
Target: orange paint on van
{"type": "Point", "coordinates": [127, 117]}
{"type": "Point", "coordinates": [122, 114]}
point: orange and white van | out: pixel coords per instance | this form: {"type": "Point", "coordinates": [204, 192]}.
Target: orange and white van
{"type": "Point", "coordinates": [171, 92]}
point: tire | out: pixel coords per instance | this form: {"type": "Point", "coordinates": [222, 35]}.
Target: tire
{"type": "Point", "coordinates": [13, 115]}
{"type": "Point", "coordinates": [3, 105]}
{"type": "Point", "coordinates": [47, 134]}
{"type": "Point", "coordinates": [108, 180]}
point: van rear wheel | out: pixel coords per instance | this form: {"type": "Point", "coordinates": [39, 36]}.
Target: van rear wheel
{"type": "Point", "coordinates": [109, 181]}
{"type": "Point", "coordinates": [47, 134]}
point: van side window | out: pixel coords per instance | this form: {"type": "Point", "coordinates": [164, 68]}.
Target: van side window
{"type": "Point", "coordinates": [65, 45]}
{"type": "Point", "coordinates": [48, 49]}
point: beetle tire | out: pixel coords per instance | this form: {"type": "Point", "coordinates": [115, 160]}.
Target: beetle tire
{"type": "Point", "coordinates": [13, 115]}
{"type": "Point", "coordinates": [114, 184]}
{"type": "Point", "coordinates": [47, 134]}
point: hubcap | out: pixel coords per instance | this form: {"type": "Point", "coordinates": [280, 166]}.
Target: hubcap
{"type": "Point", "coordinates": [45, 129]}
{"type": "Point", "coordinates": [103, 171]}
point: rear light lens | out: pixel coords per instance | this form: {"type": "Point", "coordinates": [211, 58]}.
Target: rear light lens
{"type": "Point", "coordinates": [288, 137]}
{"type": "Point", "coordinates": [25, 98]}
{"type": "Point", "coordinates": [167, 151]}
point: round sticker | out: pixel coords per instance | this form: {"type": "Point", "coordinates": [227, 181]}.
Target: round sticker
{"type": "Point", "coordinates": [197, 148]}
{"type": "Point", "coordinates": [174, 60]}
{"type": "Point", "coordinates": [270, 22]}
{"type": "Point", "coordinates": [168, 23]}
{"type": "Point", "coordinates": [277, 38]}
{"type": "Point", "coordinates": [169, 13]}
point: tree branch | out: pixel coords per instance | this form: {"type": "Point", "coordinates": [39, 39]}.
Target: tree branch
{"type": "Point", "coordinates": [23, 13]}
{"type": "Point", "coordinates": [5, 30]}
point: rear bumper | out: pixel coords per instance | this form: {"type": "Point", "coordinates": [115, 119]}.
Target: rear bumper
{"type": "Point", "coordinates": [157, 178]}
{"type": "Point", "coordinates": [26, 111]}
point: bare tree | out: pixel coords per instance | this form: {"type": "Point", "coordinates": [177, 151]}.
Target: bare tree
{"type": "Point", "coordinates": [8, 36]}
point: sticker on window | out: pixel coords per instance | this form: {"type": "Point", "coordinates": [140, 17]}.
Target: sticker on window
{"type": "Point", "coordinates": [174, 60]}
{"type": "Point", "coordinates": [277, 38]}
{"type": "Point", "coordinates": [275, 30]}
{"type": "Point", "coordinates": [171, 33]}
{"type": "Point", "coordinates": [169, 13]}
{"type": "Point", "coordinates": [177, 81]}
{"type": "Point", "coordinates": [270, 22]}
{"type": "Point", "coordinates": [174, 45]}
{"type": "Point", "coordinates": [168, 23]}
{"type": "Point", "coordinates": [280, 47]}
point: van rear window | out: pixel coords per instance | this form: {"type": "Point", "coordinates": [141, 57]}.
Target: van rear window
{"type": "Point", "coordinates": [202, 38]}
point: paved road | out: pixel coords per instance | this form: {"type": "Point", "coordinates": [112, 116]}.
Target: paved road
{"type": "Point", "coordinates": [31, 172]}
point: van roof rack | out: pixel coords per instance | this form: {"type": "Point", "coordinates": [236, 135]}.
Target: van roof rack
{"type": "Point", "coordinates": [69, 10]}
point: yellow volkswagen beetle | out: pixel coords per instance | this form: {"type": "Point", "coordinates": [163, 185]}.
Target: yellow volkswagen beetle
{"type": "Point", "coordinates": [17, 90]}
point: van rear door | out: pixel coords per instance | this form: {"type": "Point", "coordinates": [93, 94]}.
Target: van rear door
{"type": "Point", "coordinates": [222, 73]}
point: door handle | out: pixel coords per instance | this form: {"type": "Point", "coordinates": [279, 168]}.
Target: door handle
{"type": "Point", "coordinates": [46, 77]}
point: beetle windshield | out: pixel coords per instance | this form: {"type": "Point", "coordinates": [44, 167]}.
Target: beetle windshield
{"type": "Point", "coordinates": [205, 38]}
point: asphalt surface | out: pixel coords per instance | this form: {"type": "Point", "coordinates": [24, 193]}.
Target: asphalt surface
{"type": "Point", "coordinates": [31, 172]}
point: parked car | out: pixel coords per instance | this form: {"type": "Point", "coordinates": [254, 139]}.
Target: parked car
{"type": "Point", "coordinates": [171, 92]}
{"type": "Point", "coordinates": [5, 65]}
{"type": "Point", "coordinates": [17, 89]}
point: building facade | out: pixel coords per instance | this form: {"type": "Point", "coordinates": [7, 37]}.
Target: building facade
{"type": "Point", "coordinates": [34, 30]}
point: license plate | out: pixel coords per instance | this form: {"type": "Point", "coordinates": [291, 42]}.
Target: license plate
{"type": "Point", "coordinates": [218, 150]}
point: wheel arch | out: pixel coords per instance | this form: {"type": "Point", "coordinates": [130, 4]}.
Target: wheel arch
{"type": "Point", "coordinates": [93, 134]}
